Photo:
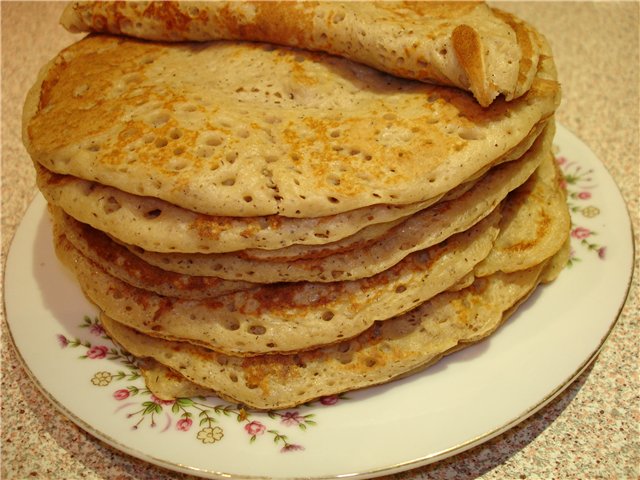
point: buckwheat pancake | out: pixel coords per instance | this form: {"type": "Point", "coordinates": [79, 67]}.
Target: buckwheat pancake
{"type": "Point", "coordinates": [118, 262]}
{"type": "Point", "coordinates": [386, 351]}
{"type": "Point", "coordinates": [287, 317]}
{"type": "Point", "coordinates": [421, 230]}
{"type": "Point", "coordinates": [158, 226]}
{"type": "Point", "coordinates": [248, 129]}
{"type": "Point", "coordinates": [463, 44]}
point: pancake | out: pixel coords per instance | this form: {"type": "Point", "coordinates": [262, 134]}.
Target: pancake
{"type": "Point", "coordinates": [275, 202]}
{"type": "Point", "coordinates": [287, 317]}
{"type": "Point", "coordinates": [118, 262]}
{"type": "Point", "coordinates": [166, 384]}
{"type": "Point", "coordinates": [248, 129]}
{"type": "Point", "coordinates": [421, 230]}
{"type": "Point", "coordinates": [159, 226]}
{"type": "Point", "coordinates": [156, 225]}
{"type": "Point", "coordinates": [386, 351]}
{"type": "Point", "coordinates": [463, 44]}
{"type": "Point", "coordinates": [557, 263]}
{"type": "Point", "coordinates": [535, 223]}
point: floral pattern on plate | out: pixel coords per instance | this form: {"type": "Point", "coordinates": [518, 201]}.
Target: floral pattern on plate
{"type": "Point", "coordinates": [210, 419]}
{"type": "Point", "coordinates": [580, 185]}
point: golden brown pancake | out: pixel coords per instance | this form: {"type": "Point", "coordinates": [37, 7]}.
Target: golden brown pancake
{"type": "Point", "coordinates": [246, 129]}
{"type": "Point", "coordinates": [156, 225]}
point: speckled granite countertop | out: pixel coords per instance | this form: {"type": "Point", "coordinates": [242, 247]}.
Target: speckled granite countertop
{"type": "Point", "coordinates": [590, 431]}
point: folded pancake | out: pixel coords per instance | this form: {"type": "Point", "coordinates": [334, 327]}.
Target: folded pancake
{"type": "Point", "coordinates": [386, 351]}
{"type": "Point", "coordinates": [463, 44]}
{"type": "Point", "coordinates": [287, 317]}
{"type": "Point", "coordinates": [246, 129]}
{"type": "Point", "coordinates": [166, 384]}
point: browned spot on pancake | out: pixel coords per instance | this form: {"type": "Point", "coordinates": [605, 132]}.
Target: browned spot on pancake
{"type": "Point", "coordinates": [260, 372]}
{"type": "Point", "coordinates": [282, 297]}
{"type": "Point", "coordinates": [169, 13]}
{"type": "Point", "coordinates": [165, 305]}
{"type": "Point", "coordinates": [83, 118]}
{"type": "Point", "coordinates": [543, 224]}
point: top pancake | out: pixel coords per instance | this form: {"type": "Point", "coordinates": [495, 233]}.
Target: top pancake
{"type": "Point", "coordinates": [244, 129]}
{"type": "Point", "coordinates": [463, 44]}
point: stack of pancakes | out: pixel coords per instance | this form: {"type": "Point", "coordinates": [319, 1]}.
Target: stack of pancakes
{"type": "Point", "coordinates": [309, 198]}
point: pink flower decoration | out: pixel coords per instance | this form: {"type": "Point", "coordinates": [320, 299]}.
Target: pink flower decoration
{"type": "Point", "coordinates": [584, 195]}
{"type": "Point", "coordinates": [159, 401]}
{"type": "Point", "coordinates": [96, 329]}
{"type": "Point", "coordinates": [580, 233]}
{"type": "Point", "coordinates": [184, 424]}
{"type": "Point", "coordinates": [561, 160]}
{"type": "Point", "coordinates": [292, 418]}
{"type": "Point", "coordinates": [602, 251]}
{"type": "Point", "coordinates": [121, 394]}
{"type": "Point", "coordinates": [329, 400]}
{"type": "Point", "coordinates": [291, 447]}
{"type": "Point", "coordinates": [97, 352]}
{"type": "Point", "coordinates": [62, 340]}
{"type": "Point", "coordinates": [255, 428]}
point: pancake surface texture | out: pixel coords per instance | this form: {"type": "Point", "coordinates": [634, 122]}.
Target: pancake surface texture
{"type": "Point", "coordinates": [419, 231]}
{"type": "Point", "coordinates": [159, 226]}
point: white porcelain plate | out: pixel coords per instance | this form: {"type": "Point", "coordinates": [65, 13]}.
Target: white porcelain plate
{"type": "Point", "coordinates": [460, 402]}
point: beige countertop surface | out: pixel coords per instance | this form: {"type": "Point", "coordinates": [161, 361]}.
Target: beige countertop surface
{"type": "Point", "coordinates": [589, 431]}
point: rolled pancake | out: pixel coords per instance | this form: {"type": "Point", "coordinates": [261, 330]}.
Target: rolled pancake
{"type": "Point", "coordinates": [463, 44]}
{"type": "Point", "coordinates": [386, 351]}
{"type": "Point", "coordinates": [246, 129]}
{"type": "Point", "coordinates": [287, 317]}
